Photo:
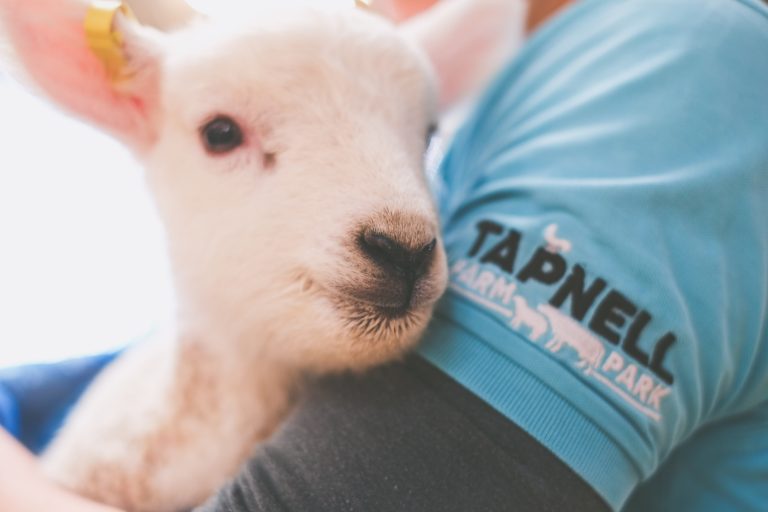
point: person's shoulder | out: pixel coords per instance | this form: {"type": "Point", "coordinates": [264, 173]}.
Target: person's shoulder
{"type": "Point", "coordinates": [694, 24]}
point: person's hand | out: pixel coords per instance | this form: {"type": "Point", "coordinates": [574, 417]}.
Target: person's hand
{"type": "Point", "coordinates": [33, 402]}
{"type": "Point", "coordinates": [24, 488]}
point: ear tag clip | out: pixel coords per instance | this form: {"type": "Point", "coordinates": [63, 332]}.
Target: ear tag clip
{"type": "Point", "coordinates": [102, 37]}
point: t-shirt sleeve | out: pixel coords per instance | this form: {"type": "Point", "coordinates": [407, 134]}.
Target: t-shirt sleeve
{"type": "Point", "coordinates": [722, 467]}
{"type": "Point", "coordinates": [606, 221]}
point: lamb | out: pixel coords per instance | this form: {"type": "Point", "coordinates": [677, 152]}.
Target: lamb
{"type": "Point", "coordinates": [285, 156]}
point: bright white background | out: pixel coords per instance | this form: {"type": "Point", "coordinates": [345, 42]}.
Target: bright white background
{"type": "Point", "coordinates": [81, 254]}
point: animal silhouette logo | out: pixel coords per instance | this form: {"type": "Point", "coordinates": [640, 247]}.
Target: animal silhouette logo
{"type": "Point", "coordinates": [525, 315]}
{"type": "Point", "coordinates": [566, 331]}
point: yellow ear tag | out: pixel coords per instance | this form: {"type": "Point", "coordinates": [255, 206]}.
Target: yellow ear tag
{"type": "Point", "coordinates": [103, 39]}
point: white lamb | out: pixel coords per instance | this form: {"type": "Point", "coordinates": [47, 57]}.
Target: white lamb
{"type": "Point", "coordinates": [285, 158]}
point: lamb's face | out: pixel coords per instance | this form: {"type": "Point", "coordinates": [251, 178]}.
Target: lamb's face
{"type": "Point", "coordinates": [288, 168]}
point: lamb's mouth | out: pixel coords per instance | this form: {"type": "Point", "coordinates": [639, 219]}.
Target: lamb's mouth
{"type": "Point", "coordinates": [366, 313]}
{"type": "Point", "coordinates": [374, 319]}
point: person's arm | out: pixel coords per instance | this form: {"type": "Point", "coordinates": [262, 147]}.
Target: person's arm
{"type": "Point", "coordinates": [398, 438]}
{"type": "Point", "coordinates": [24, 488]}
{"type": "Point", "coordinates": [540, 11]}
{"type": "Point", "coordinates": [33, 401]}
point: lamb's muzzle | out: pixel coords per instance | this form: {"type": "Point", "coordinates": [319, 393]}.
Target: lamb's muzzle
{"type": "Point", "coordinates": [403, 265]}
{"type": "Point", "coordinates": [394, 267]}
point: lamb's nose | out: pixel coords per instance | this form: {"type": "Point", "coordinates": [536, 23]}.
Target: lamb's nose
{"type": "Point", "coordinates": [395, 258]}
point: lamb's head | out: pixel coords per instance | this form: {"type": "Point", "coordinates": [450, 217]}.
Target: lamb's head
{"type": "Point", "coordinates": [289, 171]}
{"type": "Point", "coordinates": [286, 159]}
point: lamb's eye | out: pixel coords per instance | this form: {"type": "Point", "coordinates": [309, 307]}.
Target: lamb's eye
{"type": "Point", "coordinates": [221, 135]}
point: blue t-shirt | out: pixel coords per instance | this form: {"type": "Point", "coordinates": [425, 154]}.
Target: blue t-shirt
{"type": "Point", "coordinates": [606, 221]}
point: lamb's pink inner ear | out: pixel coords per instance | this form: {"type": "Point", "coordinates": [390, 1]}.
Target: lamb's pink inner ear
{"type": "Point", "coordinates": [53, 50]}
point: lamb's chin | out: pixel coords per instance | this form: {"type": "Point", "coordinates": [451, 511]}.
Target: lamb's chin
{"type": "Point", "coordinates": [373, 333]}
{"type": "Point", "coordinates": [379, 333]}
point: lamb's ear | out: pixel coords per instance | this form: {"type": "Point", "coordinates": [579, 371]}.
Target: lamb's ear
{"type": "Point", "coordinates": [47, 38]}
{"type": "Point", "coordinates": [467, 41]}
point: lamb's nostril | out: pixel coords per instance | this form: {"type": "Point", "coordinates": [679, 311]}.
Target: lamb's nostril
{"type": "Point", "coordinates": [394, 257]}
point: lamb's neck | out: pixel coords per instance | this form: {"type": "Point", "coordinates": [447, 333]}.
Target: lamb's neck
{"type": "Point", "coordinates": [229, 318]}
{"type": "Point", "coordinates": [242, 345]}
{"type": "Point", "coordinates": [234, 352]}
{"type": "Point", "coordinates": [255, 391]}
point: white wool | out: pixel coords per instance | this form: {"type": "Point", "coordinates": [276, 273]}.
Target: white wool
{"type": "Point", "coordinates": [264, 257]}
{"type": "Point", "coordinates": [264, 241]}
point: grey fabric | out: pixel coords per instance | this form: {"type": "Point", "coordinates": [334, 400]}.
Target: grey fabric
{"type": "Point", "coordinates": [402, 438]}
